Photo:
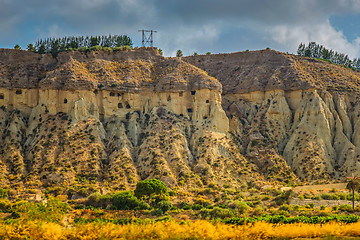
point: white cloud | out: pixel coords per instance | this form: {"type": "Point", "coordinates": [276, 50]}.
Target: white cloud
{"type": "Point", "coordinates": [322, 33]}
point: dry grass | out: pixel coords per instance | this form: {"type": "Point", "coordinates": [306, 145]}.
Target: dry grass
{"type": "Point", "coordinates": [176, 230]}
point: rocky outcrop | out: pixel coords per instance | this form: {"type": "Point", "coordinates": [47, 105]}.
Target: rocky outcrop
{"type": "Point", "coordinates": [105, 120]}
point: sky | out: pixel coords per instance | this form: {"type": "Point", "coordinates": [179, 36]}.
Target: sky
{"type": "Point", "coordinates": [190, 25]}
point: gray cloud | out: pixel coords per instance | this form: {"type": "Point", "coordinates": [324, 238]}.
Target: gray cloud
{"type": "Point", "coordinates": [192, 25]}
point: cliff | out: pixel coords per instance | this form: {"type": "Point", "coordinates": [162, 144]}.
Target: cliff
{"type": "Point", "coordinates": [306, 110]}
{"type": "Point", "coordinates": [101, 121]}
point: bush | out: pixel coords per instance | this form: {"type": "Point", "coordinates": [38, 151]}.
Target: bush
{"type": "Point", "coordinates": [4, 193]}
{"type": "Point", "coordinates": [240, 206]}
{"type": "Point", "coordinates": [53, 210]}
{"type": "Point", "coordinates": [205, 213]}
{"type": "Point", "coordinates": [217, 212]}
{"type": "Point", "coordinates": [98, 201]}
{"type": "Point", "coordinates": [345, 207]}
{"type": "Point", "coordinates": [94, 200]}
{"type": "Point", "coordinates": [322, 207]}
{"type": "Point", "coordinates": [5, 205]}
{"type": "Point", "coordinates": [157, 212]}
{"type": "Point", "coordinates": [328, 196]}
{"type": "Point", "coordinates": [310, 205]}
{"type": "Point", "coordinates": [283, 197]}
{"type": "Point", "coordinates": [127, 201]}
{"type": "Point", "coordinates": [185, 206]}
{"type": "Point", "coordinates": [197, 207]}
{"type": "Point", "coordinates": [285, 207]}
{"type": "Point", "coordinates": [150, 187]}
{"type": "Point", "coordinates": [164, 206]}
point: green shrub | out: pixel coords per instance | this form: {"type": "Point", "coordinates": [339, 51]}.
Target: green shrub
{"type": "Point", "coordinates": [164, 206]}
{"type": "Point", "coordinates": [185, 206]}
{"type": "Point", "coordinates": [285, 207]}
{"type": "Point", "coordinates": [345, 207]}
{"type": "Point", "coordinates": [217, 212]}
{"type": "Point", "coordinates": [96, 48]}
{"type": "Point", "coordinates": [127, 201]}
{"type": "Point", "coordinates": [53, 210]}
{"type": "Point", "coordinates": [150, 187]}
{"type": "Point", "coordinates": [310, 205]}
{"type": "Point", "coordinates": [283, 197]}
{"type": "Point", "coordinates": [258, 210]}
{"type": "Point", "coordinates": [98, 201]}
{"type": "Point", "coordinates": [94, 200]}
{"type": "Point", "coordinates": [205, 213]}
{"type": "Point", "coordinates": [329, 196]}
{"type": "Point", "coordinates": [157, 212]}
{"type": "Point", "coordinates": [322, 207]}
{"type": "Point", "coordinates": [296, 207]}
{"type": "Point", "coordinates": [84, 49]}
{"type": "Point", "coordinates": [4, 193]}
{"type": "Point", "coordinates": [240, 206]}
{"type": "Point", "coordinates": [5, 205]}
{"type": "Point", "coordinates": [172, 193]}
{"type": "Point", "coordinates": [197, 207]}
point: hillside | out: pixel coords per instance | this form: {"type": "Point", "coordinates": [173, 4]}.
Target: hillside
{"type": "Point", "coordinates": [101, 121]}
{"type": "Point", "coordinates": [304, 109]}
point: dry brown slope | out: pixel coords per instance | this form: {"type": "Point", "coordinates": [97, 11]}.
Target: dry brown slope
{"type": "Point", "coordinates": [267, 70]}
{"type": "Point", "coordinates": [130, 71]}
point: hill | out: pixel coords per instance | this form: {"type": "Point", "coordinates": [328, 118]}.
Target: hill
{"type": "Point", "coordinates": [306, 110]}
{"type": "Point", "coordinates": [103, 120]}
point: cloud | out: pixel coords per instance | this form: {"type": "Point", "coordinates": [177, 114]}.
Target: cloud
{"type": "Point", "coordinates": [191, 25]}
{"type": "Point", "coordinates": [289, 37]}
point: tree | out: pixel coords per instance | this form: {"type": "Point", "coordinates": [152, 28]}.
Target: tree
{"type": "Point", "coordinates": [42, 49]}
{"type": "Point", "coordinates": [307, 52]}
{"type": "Point", "coordinates": [17, 46]}
{"type": "Point", "coordinates": [301, 49]}
{"type": "Point", "coordinates": [160, 51]}
{"type": "Point", "coordinates": [55, 48]}
{"type": "Point", "coordinates": [150, 187]}
{"type": "Point", "coordinates": [353, 184]}
{"type": "Point", "coordinates": [30, 47]}
{"type": "Point", "coordinates": [94, 41]}
{"type": "Point", "coordinates": [179, 53]}
{"type": "Point", "coordinates": [325, 54]}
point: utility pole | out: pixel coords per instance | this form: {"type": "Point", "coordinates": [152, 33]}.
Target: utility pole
{"type": "Point", "coordinates": [147, 39]}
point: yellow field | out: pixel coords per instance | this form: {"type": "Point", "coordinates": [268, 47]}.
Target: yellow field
{"type": "Point", "coordinates": [176, 230]}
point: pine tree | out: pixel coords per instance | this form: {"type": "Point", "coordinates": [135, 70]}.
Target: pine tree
{"type": "Point", "coordinates": [179, 53]}
{"type": "Point", "coordinates": [30, 47]}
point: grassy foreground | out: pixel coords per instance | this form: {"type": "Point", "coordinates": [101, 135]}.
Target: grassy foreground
{"type": "Point", "coordinates": [199, 229]}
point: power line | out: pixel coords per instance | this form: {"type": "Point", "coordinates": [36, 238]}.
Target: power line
{"type": "Point", "coordinates": [147, 39]}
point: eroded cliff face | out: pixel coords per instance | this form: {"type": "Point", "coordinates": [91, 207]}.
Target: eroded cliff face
{"type": "Point", "coordinates": [304, 110]}
{"type": "Point", "coordinates": [101, 121]}
{"type": "Point", "coordinates": [315, 132]}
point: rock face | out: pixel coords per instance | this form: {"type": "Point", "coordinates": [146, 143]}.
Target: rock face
{"type": "Point", "coordinates": [306, 110]}
{"type": "Point", "coordinates": [101, 121]}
